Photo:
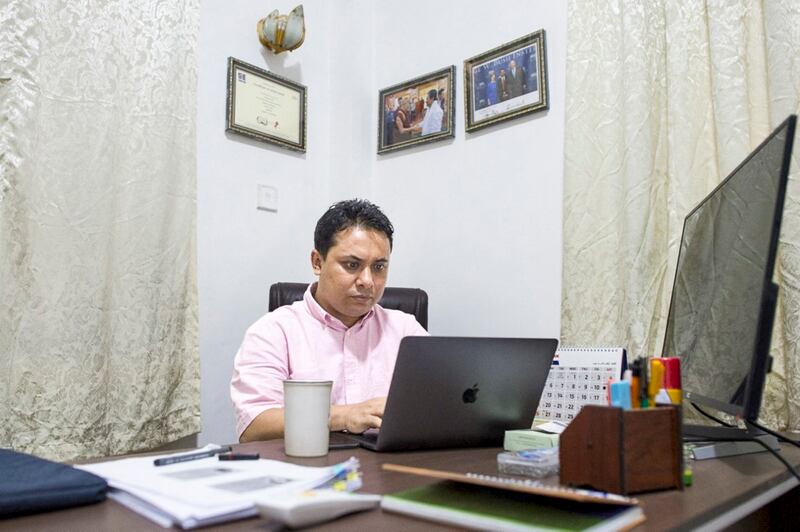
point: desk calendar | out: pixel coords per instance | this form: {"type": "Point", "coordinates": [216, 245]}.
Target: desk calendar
{"type": "Point", "coordinates": [579, 376]}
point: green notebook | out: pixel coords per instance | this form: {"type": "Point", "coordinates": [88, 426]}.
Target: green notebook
{"type": "Point", "coordinates": [481, 507]}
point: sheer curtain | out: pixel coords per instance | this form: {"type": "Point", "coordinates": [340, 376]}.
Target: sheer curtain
{"type": "Point", "coordinates": [98, 305]}
{"type": "Point", "coordinates": [664, 99]}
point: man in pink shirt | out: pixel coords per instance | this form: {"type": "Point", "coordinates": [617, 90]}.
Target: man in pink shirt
{"type": "Point", "coordinates": [337, 332]}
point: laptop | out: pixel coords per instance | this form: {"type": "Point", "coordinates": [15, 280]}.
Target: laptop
{"type": "Point", "coordinates": [451, 392]}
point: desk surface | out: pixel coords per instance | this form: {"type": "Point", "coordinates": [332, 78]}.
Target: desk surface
{"type": "Point", "coordinates": [724, 490]}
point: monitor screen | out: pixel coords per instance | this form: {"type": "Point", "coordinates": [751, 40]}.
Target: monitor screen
{"type": "Point", "coordinates": [720, 315]}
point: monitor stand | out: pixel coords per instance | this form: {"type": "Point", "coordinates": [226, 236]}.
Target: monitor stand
{"type": "Point", "coordinates": [707, 444]}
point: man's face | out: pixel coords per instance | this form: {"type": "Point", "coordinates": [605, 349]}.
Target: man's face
{"type": "Point", "coordinates": [513, 65]}
{"type": "Point", "coordinates": [353, 274]}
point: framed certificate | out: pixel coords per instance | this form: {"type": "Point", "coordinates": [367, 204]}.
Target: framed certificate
{"type": "Point", "coordinates": [266, 107]}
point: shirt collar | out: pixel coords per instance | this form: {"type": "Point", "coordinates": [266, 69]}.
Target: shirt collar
{"type": "Point", "coordinates": [324, 317]}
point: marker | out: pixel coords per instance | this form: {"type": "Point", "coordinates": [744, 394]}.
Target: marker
{"type": "Point", "coordinates": [645, 382]}
{"type": "Point", "coordinates": [188, 457]}
{"type": "Point", "coordinates": [621, 394]}
{"type": "Point", "coordinates": [656, 380]}
{"type": "Point", "coordinates": [239, 456]}
{"type": "Point", "coordinates": [672, 379]}
{"type": "Point", "coordinates": [636, 379]}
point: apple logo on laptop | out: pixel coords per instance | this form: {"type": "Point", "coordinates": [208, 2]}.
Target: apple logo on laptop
{"type": "Point", "coordinates": [471, 394]}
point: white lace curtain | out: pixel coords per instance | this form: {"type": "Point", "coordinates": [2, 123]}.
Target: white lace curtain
{"type": "Point", "coordinates": [98, 311]}
{"type": "Point", "coordinates": [664, 99]}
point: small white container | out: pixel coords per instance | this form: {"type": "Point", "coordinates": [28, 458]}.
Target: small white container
{"type": "Point", "coordinates": [306, 411]}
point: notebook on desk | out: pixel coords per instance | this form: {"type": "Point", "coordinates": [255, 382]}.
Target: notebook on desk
{"type": "Point", "coordinates": [461, 392]}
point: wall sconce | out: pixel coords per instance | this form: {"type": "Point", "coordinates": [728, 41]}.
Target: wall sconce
{"type": "Point", "coordinates": [282, 32]}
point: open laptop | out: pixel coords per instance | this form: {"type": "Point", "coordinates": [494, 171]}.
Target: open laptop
{"type": "Point", "coordinates": [461, 392]}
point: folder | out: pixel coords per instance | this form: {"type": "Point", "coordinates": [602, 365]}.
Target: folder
{"type": "Point", "coordinates": [29, 484]}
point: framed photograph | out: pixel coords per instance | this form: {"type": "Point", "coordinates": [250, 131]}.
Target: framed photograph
{"type": "Point", "coordinates": [266, 107]}
{"type": "Point", "coordinates": [417, 111]}
{"type": "Point", "coordinates": [506, 82]}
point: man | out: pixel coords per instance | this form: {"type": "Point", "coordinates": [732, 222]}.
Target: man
{"type": "Point", "coordinates": [502, 85]}
{"type": "Point", "coordinates": [388, 123]}
{"type": "Point", "coordinates": [443, 107]}
{"type": "Point", "coordinates": [433, 116]}
{"type": "Point", "coordinates": [337, 332]}
{"type": "Point", "coordinates": [516, 81]}
{"type": "Point", "coordinates": [491, 89]}
{"type": "Point", "coordinates": [402, 123]}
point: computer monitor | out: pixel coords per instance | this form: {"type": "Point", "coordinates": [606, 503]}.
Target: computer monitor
{"type": "Point", "coordinates": [723, 298]}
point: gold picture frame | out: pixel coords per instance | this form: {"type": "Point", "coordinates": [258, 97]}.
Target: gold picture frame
{"type": "Point", "coordinates": [266, 107]}
{"type": "Point", "coordinates": [492, 95]}
{"type": "Point", "coordinates": [408, 116]}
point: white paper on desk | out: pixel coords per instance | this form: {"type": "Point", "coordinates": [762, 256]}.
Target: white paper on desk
{"type": "Point", "coordinates": [138, 501]}
{"type": "Point", "coordinates": [551, 427]}
{"type": "Point", "coordinates": [204, 491]}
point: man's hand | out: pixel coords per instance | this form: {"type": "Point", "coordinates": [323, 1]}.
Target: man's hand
{"type": "Point", "coordinates": [358, 417]}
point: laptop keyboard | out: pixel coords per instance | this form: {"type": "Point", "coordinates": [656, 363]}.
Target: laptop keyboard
{"type": "Point", "coordinates": [371, 436]}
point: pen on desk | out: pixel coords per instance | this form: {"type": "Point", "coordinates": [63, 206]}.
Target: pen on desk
{"type": "Point", "coordinates": [191, 456]}
{"type": "Point", "coordinates": [239, 456]}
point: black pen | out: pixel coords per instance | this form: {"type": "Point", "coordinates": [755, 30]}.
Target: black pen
{"type": "Point", "coordinates": [192, 456]}
{"type": "Point", "coordinates": [239, 456]}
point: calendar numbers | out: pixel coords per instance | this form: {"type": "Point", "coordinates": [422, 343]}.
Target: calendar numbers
{"type": "Point", "coordinates": [578, 377]}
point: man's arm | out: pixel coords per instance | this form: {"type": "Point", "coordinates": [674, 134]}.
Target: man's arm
{"type": "Point", "coordinates": [358, 417]}
{"type": "Point", "coordinates": [259, 368]}
{"type": "Point", "coordinates": [354, 418]}
{"type": "Point", "coordinates": [267, 425]}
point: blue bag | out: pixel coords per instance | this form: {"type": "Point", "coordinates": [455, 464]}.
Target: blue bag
{"type": "Point", "coordinates": [29, 484]}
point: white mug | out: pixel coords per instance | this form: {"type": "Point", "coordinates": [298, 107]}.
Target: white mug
{"type": "Point", "coordinates": [306, 409]}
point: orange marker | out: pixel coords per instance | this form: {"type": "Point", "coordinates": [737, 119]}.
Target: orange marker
{"type": "Point", "coordinates": [636, 401]}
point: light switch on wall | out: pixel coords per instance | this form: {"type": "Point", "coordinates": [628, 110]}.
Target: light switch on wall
{"type": "Point", "coordinates": [267, 198]}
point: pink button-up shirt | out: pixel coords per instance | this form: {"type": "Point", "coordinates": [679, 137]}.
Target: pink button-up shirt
{"type": "Point", "coordinates": [303, 341]}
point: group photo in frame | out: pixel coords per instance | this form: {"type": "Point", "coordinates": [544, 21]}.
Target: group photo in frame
{"type": "Point", "coordinates": [506, 82]}
{"type": "Point", "coordinates": [265, 107]}
{"type": "Point", "coordinates": [417, 111]}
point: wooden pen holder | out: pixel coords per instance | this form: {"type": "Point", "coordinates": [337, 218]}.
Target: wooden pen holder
{"type": "Point", "coordinates": [623, 451]}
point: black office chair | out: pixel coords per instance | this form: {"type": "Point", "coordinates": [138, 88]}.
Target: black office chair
{"type": "Point", "coordinates": [411, 300]}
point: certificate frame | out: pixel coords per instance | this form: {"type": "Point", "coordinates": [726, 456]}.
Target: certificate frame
{"type": "Point", "coordinates": [486, 105]}
{"type": "Point", "coordinates": [411, 92]}
{"type": "Point", "coordinates": [266, 107]}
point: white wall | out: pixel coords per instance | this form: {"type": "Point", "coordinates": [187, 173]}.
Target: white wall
{"type": "Point", "coordinates": [478, 218]}
{"type": "Point", "coordinates": [241, 250]}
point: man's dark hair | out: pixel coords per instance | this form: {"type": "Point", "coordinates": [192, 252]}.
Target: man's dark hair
{"type": "Point", "coordinates": [346, 214]}
{"type": "Point", "coordinates": [432, 94]}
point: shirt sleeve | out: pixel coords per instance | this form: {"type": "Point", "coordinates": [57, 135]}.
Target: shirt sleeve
{"type": "Point", "coordinates": [260, 366]}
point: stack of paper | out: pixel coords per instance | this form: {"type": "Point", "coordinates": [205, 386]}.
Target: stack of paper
{"type": "Point", "coordinates": [206, 491]}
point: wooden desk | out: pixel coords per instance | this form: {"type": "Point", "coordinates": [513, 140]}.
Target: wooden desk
{"type": "Point", "coordinates": [725, 492]}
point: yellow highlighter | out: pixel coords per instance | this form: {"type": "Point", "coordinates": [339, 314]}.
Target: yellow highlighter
{"type": "Point", "coordinates": [656, 380]}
